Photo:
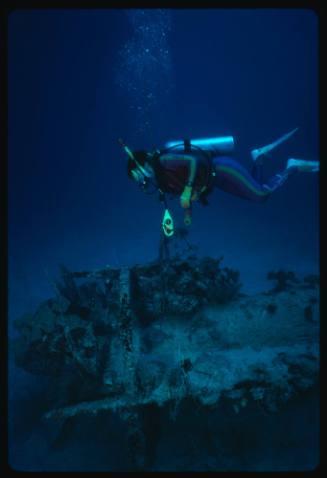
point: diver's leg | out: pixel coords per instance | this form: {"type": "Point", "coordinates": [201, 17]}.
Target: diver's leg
{"type": "Point", "coordinates": [260, 152]}
{"type": "Point", "coordinates": [232, 177]}
{"type": "Point", "coordinates": [257, 171]}
{"type": "Point", "coordinates": [293, 166]}
{"type": "Point", "coordinates": [278, 180]}
{"type": "Point", "coordinates": [258, 155]}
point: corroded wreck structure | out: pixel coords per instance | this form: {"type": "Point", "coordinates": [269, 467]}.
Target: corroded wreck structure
{"type": "Point", "coordinates": [132, 341]}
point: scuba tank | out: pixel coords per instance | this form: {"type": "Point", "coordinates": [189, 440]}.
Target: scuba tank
{"type": "Point", "coordinates": [208, 148]}
{"type": "Point", "coordinates": [217, 145]}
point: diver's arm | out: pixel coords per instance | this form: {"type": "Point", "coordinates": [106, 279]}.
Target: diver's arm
{"type": "Point", "coordinates": [185, 157]}
{"type": "Point", "coordinates": [193, 167]}
{"type": "Point", "coordinates": [186, 195]}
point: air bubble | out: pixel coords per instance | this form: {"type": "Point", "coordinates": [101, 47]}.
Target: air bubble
{"type": "Point", "coordinates": [141, 75]}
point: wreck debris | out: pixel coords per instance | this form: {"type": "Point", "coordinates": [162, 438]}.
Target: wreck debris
{"type": "Point", "coordinates": [128, 334]}
{"type": "Point", "coordinates": [284, 279]}
{"type": "Point", "coordinates": [133, 340]}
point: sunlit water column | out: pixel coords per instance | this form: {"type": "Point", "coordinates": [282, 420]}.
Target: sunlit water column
{"type": "Point", "coordinates": [143, 70]}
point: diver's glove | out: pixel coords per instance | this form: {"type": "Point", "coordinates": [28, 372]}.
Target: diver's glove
{"type": "Point", "coordinates": [188, 217]}
{"type": "Point", "coordinates": [185, 198]}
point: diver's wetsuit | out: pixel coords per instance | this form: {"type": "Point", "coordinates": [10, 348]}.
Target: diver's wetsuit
{"type": "Point", "coordinates": [232, 177]}
{"type": "Point", "coordinates": [229, 175]}
{"type": "Point", "coordinates": [174, 172]}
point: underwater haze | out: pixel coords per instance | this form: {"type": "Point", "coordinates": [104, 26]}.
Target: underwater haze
{"type": "Point", "coordinates": [78, 80]}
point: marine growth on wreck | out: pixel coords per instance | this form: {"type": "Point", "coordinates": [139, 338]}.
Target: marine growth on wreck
{"type": "Point", "coordinates": [148, 342]}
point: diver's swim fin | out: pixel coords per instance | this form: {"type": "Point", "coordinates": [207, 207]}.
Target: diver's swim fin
{"type": "Point", "coordinates": [256, 153]}
{"type": "Point", "coordinates": [303, 166]}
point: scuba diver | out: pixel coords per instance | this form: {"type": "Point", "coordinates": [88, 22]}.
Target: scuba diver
{"type": "Point", "coordinates": [191, 169]}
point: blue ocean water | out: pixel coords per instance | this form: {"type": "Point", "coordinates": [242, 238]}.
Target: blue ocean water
{"type": "Point", "coordinates": [80, 79]}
